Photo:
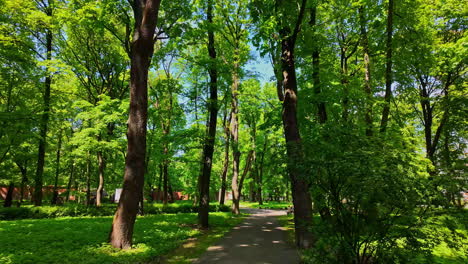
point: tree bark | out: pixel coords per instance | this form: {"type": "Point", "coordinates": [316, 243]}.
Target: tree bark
{"type": "Point", "coordinates": [208, 148]}
{"type": "Point", "coordinates": [222, 191]}
{"type": "Point", "coordinates": [367, 72]}
{"type": "Point", "coordinates": [295, 153]}
{"type": "Point", "coordinates": [146, 15]}
{"type": "Point", "coordinates": [248, 165]}
{"type": "Point", "coordinates": [44, 121]}
{"type": "Point", "coordinates": [322, 111]}
{"type": "Point", "coordinates": [161, 173]}
{"type": "Point", "coordinates": [24, 179]}
{"type": "Point", "coordinates": [234, 129]}
{"type": "Point", "coordinates": [70, 181]}
{"type": "Point", "coordinates": [260, 174]}
{"type": "Point", "coordinates": [9, 197]}
{"type": "Point", "coordinates": [101, 168]}
{"type": "Point", "coordinates": [57, 171]}
{"type": "Point", "coordinates": [165, 178]}
{"type": "Point", "coordinates": [388, 70]}
{"type": "Point", "coordinates": [88, 180]}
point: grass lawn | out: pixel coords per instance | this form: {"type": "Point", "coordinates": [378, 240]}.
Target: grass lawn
{"type": "Point", "coordinates": [82, 239]}
{"type": "Point", "coordinates": [266, 205]}
{"type": "Point", "coordinates": [445, 225]}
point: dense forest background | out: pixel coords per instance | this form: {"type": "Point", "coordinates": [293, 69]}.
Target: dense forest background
{"type": "Point", "coordinates": [362, 120]}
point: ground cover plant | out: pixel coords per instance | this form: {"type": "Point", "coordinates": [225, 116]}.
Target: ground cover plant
{"type": "Point", "coordinates": [30, 211]}
{"type": "Point", "coordinates": [82, 239]}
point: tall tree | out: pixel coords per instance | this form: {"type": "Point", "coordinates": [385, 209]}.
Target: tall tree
{"type": "Point", "coordinates": [47, 7]}
{"type": "Point", "coordinates": [208, 147]}
{"type": "Point", "coordinates": [388, 67]}
{"type": "Point", "coordinates": [142, 47]}
{"type": "Point", "coordinates": [295, 155]}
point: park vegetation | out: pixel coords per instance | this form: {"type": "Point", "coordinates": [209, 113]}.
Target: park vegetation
{"type": "Point", "coordinates": [352, 111]}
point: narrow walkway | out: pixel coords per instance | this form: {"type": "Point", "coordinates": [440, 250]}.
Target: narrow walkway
{"type": "Point", "coordinates": [258, 240]}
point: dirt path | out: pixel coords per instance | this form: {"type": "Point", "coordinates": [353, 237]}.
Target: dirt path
{"type": "Point", "coordinates": [258, 240]}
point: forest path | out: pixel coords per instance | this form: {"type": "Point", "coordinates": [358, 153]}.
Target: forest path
{"type": "Point", "coordinates": [260, 239]}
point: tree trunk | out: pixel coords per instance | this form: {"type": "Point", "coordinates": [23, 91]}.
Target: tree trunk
{"type": "Point", "coordinates": [44, 121]}
{"type": "Point", "coordinates": [161, 173]}
{"type": "Point", "coordinates": [88, 180]}
{"type": "Point", "coordinates": [222, 192]}
{"type": "Point", "coordinates": [57, 171]}
{"type": "Point", "coordinates": [100, 188]}
{"type": "Point", "coordinates": [367, 72]}
{"type": "Point", "coordinates": [146, 15]}
{"type": "Point", "coordinates": [295, 154]}
{"type": "Point", "coordinates": [9, 197]}
{"type": "Point", "coordinates": [208, 148]}
{"type": "Point", "coordinates": [24, 179]}
{"type": "Point", "coordinates": [165, 180]}
{"type": "Point", "coordinates": [248, 165]}
{"type": "Point", "coordinates": [234, 127]}
{"type": "Point", "coordinates": [260, 174]}
{"type": "Point", "coordinates": [322, 111]}
{"type": "Point", "coordinates": [388, 70]}
{"type": "Point", "coordinates": [171, 193]}
{"type": "Point", "coordinates": [70, 181]}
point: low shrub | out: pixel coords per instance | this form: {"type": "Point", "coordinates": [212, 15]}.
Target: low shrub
{"type": "Point", "coordinates": [75, 210]}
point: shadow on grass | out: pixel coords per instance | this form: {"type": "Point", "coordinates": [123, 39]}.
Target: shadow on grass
{"type": "Point", "coordinates": [83, 240]}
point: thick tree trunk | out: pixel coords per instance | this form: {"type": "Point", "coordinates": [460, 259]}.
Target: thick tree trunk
{"type": "Point", "coordinates": [9, 197]}
{"type": "Point", "coordinates": [44, 122]}
{"type": "Point", "coordinates": [388, 70]}
{"type": "Point", "coordinates": [367, 72]}
{"type": "Point", "coordinates": [146, 15]}
{"type": "Point", "coordinates": [299, 182]}
{"type": "Point", "coordinates": [57, 171]}
{"type": "Point", "coordinates": [101, 168]}
{"type": "Point", "coordinates": [208, 148]}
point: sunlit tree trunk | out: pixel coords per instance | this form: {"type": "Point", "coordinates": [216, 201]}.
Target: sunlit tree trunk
{"type": "Point", "coordinates": [142, 47]}
{"type": "Point", "coordinates": [101, 167]}
{"type": "Point", "coordinates": [234, 128]}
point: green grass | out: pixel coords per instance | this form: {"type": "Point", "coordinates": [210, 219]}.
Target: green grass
{"type": "Point", "coordinates": [266, 205]}
{"type": "Point", "coordinates": [82, 239]}
{"type": "Point", "coordinates": [72, 209]}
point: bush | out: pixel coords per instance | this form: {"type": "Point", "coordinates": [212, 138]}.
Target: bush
{"type": "Point", "coordinates": [74, 210]}
{"type": "Point", "coordinates": [372, 195]}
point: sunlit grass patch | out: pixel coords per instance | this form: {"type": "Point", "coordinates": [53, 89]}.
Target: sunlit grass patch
{"type": "Point", "coordinates": [83, 239]}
